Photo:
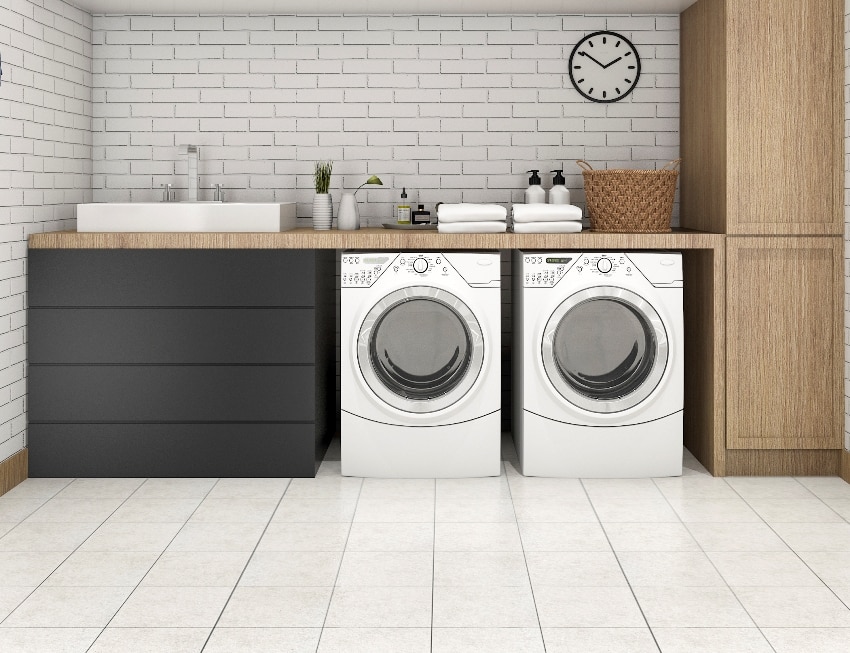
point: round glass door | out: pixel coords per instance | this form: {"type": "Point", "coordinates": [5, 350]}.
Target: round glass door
{"type": "Point", "coordinates": [420, 349]}
{"type": "Point", "coordinates": [605, 349]}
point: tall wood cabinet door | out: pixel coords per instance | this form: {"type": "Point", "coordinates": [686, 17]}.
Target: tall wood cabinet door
{"type": "Point", "coordinates": [785, 101]}
{"type": "Point", "coordinates": [784, 363]}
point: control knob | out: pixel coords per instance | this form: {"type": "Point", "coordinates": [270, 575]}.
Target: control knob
{"type": "Point", "coordinates": [420, 265]}
{"type": "Point", "coordinates": [604, 265]}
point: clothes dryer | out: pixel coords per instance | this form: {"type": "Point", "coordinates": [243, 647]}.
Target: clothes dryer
{"type": "Point", "coordinates": [598, 361]}
{"type": "Point", "coordinates": [420, 378]}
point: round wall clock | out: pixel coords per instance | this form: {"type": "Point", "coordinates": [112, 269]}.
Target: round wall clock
{"type": "Point", "coordinates": [604, 66]}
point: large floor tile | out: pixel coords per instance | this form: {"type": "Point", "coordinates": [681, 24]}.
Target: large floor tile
{"type": "Point", "coordinates": [380, 607]}
{"type": "Point", "coordinates": [100, 488]}
{"type": "Point", "coordinates": [47, 640]}
{"type": "Point", "coordinates": [484, 607]}
{"type": "Point", "coordinates": [118, 536]}
{"type": "Point", "coordinates": [375, 640]}
{"type": "Point", "coordinates": [464, 569]}
{"type": "Point", "coordinates": [487, 640]}
{"type": "Point", "coordinates": [587, 607]}
{"type": "Point", "coordinates": [217, 537]}
{"type": "Point", "coordinates": [303, 536]}
{"type": "Point", "coordinates": [495, 536]}
{"type": "Point", "coordinates": [263, 640]}
{"type": "Point", "coordinates": [292, 569]}
{"type": "Point", "coordinates": [234, 510]}
{"type": "Point", "coordinates": [103, 569]}
{"type": "Point", "coordinates": [808, 511]}
{"type": "Point", "coordinates": [762, 569]}
{"type": "Point", "coordinates": [474, 510]}
{"type": "Point", "coordinates": [645, 510]}
{"type": "Point", "coordinates": [150, 640]}
{"type": "Point", "coordinates": [75, 510]}
{"type": "Point", "coordinates": [713, 510]}
{"type": "Point", "coordinates": [754, 536]}
{"type": "Point", "coordinates": [826, 487]}
{"type": "Point", "coordinates": [695, 487]}
{"type": "Point", "coordinates": [563, 536]}
{"type": "Point", "coordinates": [769, 487]}
{"type": "Point", "coordinates": [276, 607]}
{"type": "Point", "coordinates": [68, 607]}
{"type": "Point", "coordinates": [621, 488]}
{"type": "Point", "coordinates": [840, 506]}
{"type": "Point", "coordinates": [832, 567]}
{"type": "Point", "coordinates": [175, 488]}
{"type": "Point", "coordinates": [37, 488]}
{"type": "Point", "coordinates": [46, 536]}
{"type": "Point", "coordinates": [155, 510]}
{"type": "Point", "coordinates": [794, 607]}
{"type": "Point", "coordinates": [815, 537]}
{"type": "Point", "coordinates": [397, 488]}
{"type": "Point", "coordinates": [389, 509]}
{"type": "Point", "coordinates": [28, 569]}
{"type": "Point", "coordinates": [574, 568]}
{"type": "Point", "coordinates": [692, 607]}
{"type": "Point", "coordinates": [650, 537]}
{"type": "Point", "coordinates": [172, 607]}
{"type": "Point", "coordinates": [554, 510]}
{"type": "Point", "coordinates": [386, 569]}
{"type": "Point", "coordinates": [711, 640]}
{"type": "Point", "coordinates": [531, 487]}
{"type": "Point", "coordinates": [800, 640]}
{"type": "Point", "coordinates": [315, 510]}
{"type": "Point", "coordinates": [669, 569]}
{"type": "Point", "coordinates": [15, 510]}
{"type": "Point", "coordinates": [599, 640]}
{"type": "Point", "coordinates": [473, 489]}
{"type": "Point", "coordinates": [196, 569]}
{"type": "Point", "coordinates": [324, 487]}
{"type": "Point", "coordinates": [391, 536]}
{"type": "Point", "coordinates": [249, 488]}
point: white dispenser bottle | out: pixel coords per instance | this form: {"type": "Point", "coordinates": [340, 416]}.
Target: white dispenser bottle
{"type": "Point", "coordinates": [535, 194]}
{"type": "Point", "coordinates": [559, 194]}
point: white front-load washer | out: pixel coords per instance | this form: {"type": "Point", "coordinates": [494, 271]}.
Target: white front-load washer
{"type": "Point", "coordinates": [598, 362]}
{"type": "Point", "coordinates": [420, 377]}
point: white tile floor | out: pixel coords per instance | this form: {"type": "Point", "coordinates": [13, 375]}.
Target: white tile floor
{"type": "Point", "coordinates": [510, 564]}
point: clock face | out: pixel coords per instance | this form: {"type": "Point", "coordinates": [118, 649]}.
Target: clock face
{"type": "Point", "coordinates": [604, 67]}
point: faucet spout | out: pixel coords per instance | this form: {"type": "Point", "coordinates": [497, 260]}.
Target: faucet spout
{"type": "Point", "coordinates": [193, 152]}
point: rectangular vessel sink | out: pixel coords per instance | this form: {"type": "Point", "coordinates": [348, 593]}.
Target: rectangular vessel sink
{"type": "Point", "coordinates": [186, 216]}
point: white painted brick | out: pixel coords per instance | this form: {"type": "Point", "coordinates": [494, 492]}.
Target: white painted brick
{"type": "Point", "coordinates": [195, 52]}
{"type": "Point", "coordinates": [440, 23]}
{"type": "Point", "coordinates": [175, 38]}
{"type": "Point", "coordinates": [343, 110]}
{"type": "Point", "coordinates": [154, 52]}
{"type": "Point", "coordinates": [418, 38]}
{"type": "Point", "coordinates": [318, 38]}
{"type": "Point", "coordinates": [146, 23]}
{"type": "Point", "coordinates": [223, 38]}
{"type": "Point", "coordinates": [198, 23]}
{"type": "Point", "coordinates": [452, 52]}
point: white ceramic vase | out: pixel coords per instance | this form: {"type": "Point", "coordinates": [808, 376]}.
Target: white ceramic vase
{"type": "Point", "coordinates": [323, 211]}
{"type": "Point", "coordinates": [349, 217]}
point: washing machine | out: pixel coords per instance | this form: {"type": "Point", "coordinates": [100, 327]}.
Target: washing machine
{"type": "Point", "coordinates": [420, 377]}
{"type": "Point", "coordinates": [598, 358]}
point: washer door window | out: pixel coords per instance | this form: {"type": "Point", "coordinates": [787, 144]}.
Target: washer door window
{"type": "Point", "coordinates": [605, 349]}
{"type": "Point", "coordinates": [420, 349]}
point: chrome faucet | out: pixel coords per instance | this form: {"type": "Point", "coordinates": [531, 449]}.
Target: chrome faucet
{"type": "Point", "coordinates": [218, 193]}
{"type": "Point", "coordinates": [167, 193]}
{"type": "Point", "coordinates": [194, 153]}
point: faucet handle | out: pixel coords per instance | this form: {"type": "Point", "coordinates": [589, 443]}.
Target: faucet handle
{"type": "Point", "coordinates": [167, 193]}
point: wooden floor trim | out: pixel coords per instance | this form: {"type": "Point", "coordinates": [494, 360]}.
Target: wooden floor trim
{"type": "Point", "coordinates": [13, 470]}
{"type": "Point", "coordinates": [783, 462]}
{"type": "Point", "coordinates": [845, 465]}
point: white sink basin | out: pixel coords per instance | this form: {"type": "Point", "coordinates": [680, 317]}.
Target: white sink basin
{"type": "Point", "coordinates": [186, 216]}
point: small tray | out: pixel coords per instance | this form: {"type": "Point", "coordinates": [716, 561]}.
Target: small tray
{"type": "Point", "coordinates": [409, 227]}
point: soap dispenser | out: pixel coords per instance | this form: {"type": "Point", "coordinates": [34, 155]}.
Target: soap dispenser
{"type": "Point", "coordinates": [559, 194]}
{"type": "Point", "coordinates": [534, 194]}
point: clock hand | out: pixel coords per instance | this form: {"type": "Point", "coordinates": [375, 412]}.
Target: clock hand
{"type": "Point", "coordinates": [589, 57]}
{"type": "Point", "coordinates": [612, 62]}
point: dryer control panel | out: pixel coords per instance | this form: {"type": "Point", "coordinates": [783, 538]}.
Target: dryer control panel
{"type": "Point", "coordinates": [362, 269]}
{"type": "Point", "coordinates": [545, 270]}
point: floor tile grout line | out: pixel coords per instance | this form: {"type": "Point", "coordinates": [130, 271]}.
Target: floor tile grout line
{"type": "Point", "coordinates": [793, 550]}
{"type": "Point", "coordinates": [433, 567]}
{"type": "Point", "coordinates": [525, 560]}
{"type": "Point", "coordinates": [247, 562]}
{"type": "Point", "coordinates": [341, 560]}
{"type": "Point", "coordinates": [186, 521]}
{"type": "Point", "coordinates": [819, 498]}
{"type": "Point", "coordinates": [620, 565]}
{"type": "Point", "coordinates": [714, 566]}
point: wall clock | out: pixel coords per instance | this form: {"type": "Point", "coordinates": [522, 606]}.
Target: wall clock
{"type": "Point", "coordinates": [604, 66]}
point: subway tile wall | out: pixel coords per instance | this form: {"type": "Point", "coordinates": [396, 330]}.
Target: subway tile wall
{"type": "Point", "coordinates": [45, 165]}
{"type": "Point", "coordinates": [454, 108]}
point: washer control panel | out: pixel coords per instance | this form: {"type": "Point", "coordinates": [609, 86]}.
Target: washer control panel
{"type": "Point", "coordinates": [361, 270]}
{"type": "Point", "coordinates": [544, 270]}
{"type": "Point", "coordinates": [603, 265]}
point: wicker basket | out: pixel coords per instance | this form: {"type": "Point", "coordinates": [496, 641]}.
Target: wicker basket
{"type": "Point", "coordinates": [637, 201]}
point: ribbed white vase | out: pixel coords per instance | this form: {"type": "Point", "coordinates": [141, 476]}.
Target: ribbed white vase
{"type": "Point", "coordinates": [323, 211]}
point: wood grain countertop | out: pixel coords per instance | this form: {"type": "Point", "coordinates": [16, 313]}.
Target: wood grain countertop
{"type": "Point", "coordinates": [376, 239]}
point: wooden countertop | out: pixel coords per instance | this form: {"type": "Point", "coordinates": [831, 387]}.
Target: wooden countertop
{"type": "Point", "coordinates": [375, 239]}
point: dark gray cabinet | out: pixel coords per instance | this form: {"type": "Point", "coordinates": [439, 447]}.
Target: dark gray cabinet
{"type": "Point", "coordinates": [180, 362]}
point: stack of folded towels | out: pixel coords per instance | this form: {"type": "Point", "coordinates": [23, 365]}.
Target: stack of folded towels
{"type": "Point", "coordinates": [471, 218]}
{"type": "Point", "coordinates": [546, 218]}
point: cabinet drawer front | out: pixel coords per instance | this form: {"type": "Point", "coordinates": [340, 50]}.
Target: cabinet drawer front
{"type": "Point", "coordinates": [202, 393]}
{"type": "Point", "coordinates": [171, 336]}
{"type": "Point", "coordinates": [171, 277]}
{"type": "Point", "coordinates": [171, 450]}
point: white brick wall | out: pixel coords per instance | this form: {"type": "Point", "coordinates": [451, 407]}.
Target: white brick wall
{"type": "Point", "coordinates": [45, 165]}
{"type": "Point", "coordinates": [455, 108]}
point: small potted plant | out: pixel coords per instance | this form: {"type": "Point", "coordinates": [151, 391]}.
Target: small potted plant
{"type": "Point", "coordinates": [349, 216]}
{"type": "Point", "coordinates": [322, 202]}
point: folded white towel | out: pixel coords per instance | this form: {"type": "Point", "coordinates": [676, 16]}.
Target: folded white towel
{"type": "Point", "coordinates": [471, 213]}
{"type": "Point", "coordinates": [489, 227]}
{"type": "Point", "coordinates": [565, 227]}
{"type": "Point", "coordinates": [545, 212]}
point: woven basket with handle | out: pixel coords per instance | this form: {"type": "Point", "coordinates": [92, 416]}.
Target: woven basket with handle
{"type": "Point", "coordinates": [637, 201]}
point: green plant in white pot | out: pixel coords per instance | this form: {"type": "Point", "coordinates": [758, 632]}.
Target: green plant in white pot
{"type": "Point", "coordinates": [322, 202]}
{"type": "Point", "coordinates": [349, 216]}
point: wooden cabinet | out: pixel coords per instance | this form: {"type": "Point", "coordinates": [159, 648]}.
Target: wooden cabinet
{"type": "Point", "coordinates": [180, 362]}
{"type": "Point", "coordinates": [784, 367]}
{"type": "Point", "coordinates": [762, 117]}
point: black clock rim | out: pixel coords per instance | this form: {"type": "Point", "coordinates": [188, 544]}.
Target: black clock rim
{"type": "Point", "coordinates": [573, 53]}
